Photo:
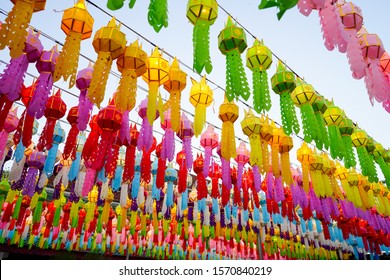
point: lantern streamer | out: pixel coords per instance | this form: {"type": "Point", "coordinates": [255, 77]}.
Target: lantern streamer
{"type": "Point", "coordinates": [201, 41]}
{"type": "Point", "coordinates": [100, 75]}
{"type": "Point", "coordinates": [309, 123]}
{"type": "Point", "coordinates": [158, 14]}
{"type": "Point", "coordinates": [127, 91]}
{"type": "Point", "coordinates": [289, 119]}
{"type": "Point", "coordinates": [336, 143]}
{"type": "Point", "coordinates": [261, 95]}
{"type": "Point", "coordinates": [236, 82]}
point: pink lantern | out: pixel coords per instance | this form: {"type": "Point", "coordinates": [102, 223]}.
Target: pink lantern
{"type": "Point", "coordinates": [209, 141]}
{"type": "Point", "coordinates": [83, 80]}
{"type": "Point", "coordinates": [185, 134]}
{"type": "Point", "coordinates": [145, 141]}
{"type": "Point", "coordinates": [385, 63]}
{"type": "Point", "coordinates": [168, 141]}
{"type": "Point", "coordinates": [226, 171]}
{"type": "Point", "coordinates": [10, 125]}
{"type": "Point", "coordinates": [242, 158]}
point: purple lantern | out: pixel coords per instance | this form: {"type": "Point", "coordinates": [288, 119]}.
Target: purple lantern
{"type": "Point", "coordinates": [168, 142]}
{"type": "Point", "coordinates": [226, 171]}
{"type": "Point", "coordinates": [10, 125]}
{"type": "Point", "coordinates": [185, 134]}
{"type": "Point", "coordinates": [35, 162]}
{"type": "Point", "coordinates": [85, 105]}
{"type": "Point", "coordinates": [145, 140]}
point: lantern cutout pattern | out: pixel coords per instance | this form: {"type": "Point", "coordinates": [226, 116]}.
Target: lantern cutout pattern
{"type": "Point", "coordinates": [71, 140]}
{"type": "Point", "coordinates": [282, 5]}
{"type": "Point", "coordinates": [35, 162]}
{"type": "Point", "coordinates": [266, 132]}
{"type": "Point", "coordinates": [170, 178]}
{"type": "Point", "coordinates": [58, 138]}
{"type": "Point", "coordinates": [11, 80]}
{"type": "Point", "coordinates": [228, 114]}
{"type": "Point", "coordinates": [242, 158]}
{"type": "Point", "coordinates": [319, 107]}
{"type": "Point", "coordinates": [83, 80]}
{"type": "Point", "coordinates": [168, 141]}
{"type": "Point", "coordinates": [360, 141]}
{"type": "Point", "coordinates": [259, 60]}
{"type": "Point", "coordinates": [283, 83]}
{"type": "Point", "coordinates": [109, 42]}
{"type": "Point", "coordinates": [185, 134]}
{"type": "Point", "coordinates": [285, 146]}
{"type": "Point", "coordinates": [202, 14]}
{"type": "Point", "coordinates": [132, 64]}
{"type": "Point", "coordinates": [333, 116]}
{"type": "Point", "coordinates": [305, 157]}
{"type": "Point", "coordinates": [10, 125]}
{"type": "Point", "coordinates": [346, 127]}
{"type": "Point", "coordinates": [303, 97]}
{"type": "Point", "coordinates": [157, 73]}
{"type": "Point", "coordinates": [13, 31]}
{"type": "Point", "coordinates": [77, 24]}
{"type": "Point", "coordinates": [378, 154]}
{"type": "Point", "coordinates": [145, 140]}
{"type": "Point", "coordinates": [45, 66]}
{"type": "Point", "coordinates": [209, 141]}
{"type": "Point", "coordinates": [231, 43]}
{"type": "Point", "coordinates": [201, 96]}
{"type": "Point", "coordinates": [251, 126]}
{"type": "Point", "coordinates": [158, 14]}
{"type": "Point", "coordinates": [76, 162]}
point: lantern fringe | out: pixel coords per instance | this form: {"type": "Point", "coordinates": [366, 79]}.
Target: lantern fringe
{"type": "Point", "coordinates": [275, 159]}
{"type": "Point", "coordinates": [62, 177]}
{"type": "Point", "coordinates": [305, 7]}
{"type": "Point", "coordinates": [30, 181]}
{"type": "Point", "coordinates": [75, 167]}
{"type": "Point", "coordinates": [3, 141]}
{"type": "Point", "coordinates": [5, 107]}
{"type": "Point", "coordinates": [199, 119]}
{"type": "Point", "coordinates": [145, 139]}
{"type": "Point", "coordinates": [158, 14]}
{"type": "Point", "coordinates": [116, 182]}
{"type": "Point", "coordinates": [46, 139]}
{"type": "Point", "coordinates": [331, 29]}
{"type": "Point", "coordinates": [289, 118]}
{"type": "Point", "coordinates": [70, 144]}
{"type": "Point", "coordinates": [336, 143]}
{"type": "Point", "coordinates": [367, 164]}
{"type": "Point", "coordinates": [28, 124]}
{"type": "Point", "coordinates": [67, 62]}
{"type": "Point", "coordinates": [355, 56]}
{"type": "Point", "coordinates": [126, 94]}
{"type": "Point", "coordinates": [236, 81]}
{"type": "Point", "coordinates": [309, 123]}
{"type": "Point", "coordinates": [11, 80]}
{"type": "Point", "coordinates": [264, 148]}
{"type": "Point", "coordinates": [349, 159]}
{"type": "Point", "coordinates": [90, 145]}
{"type": "Point", "coordinates": [88, 181]}
{"type": "Point", "coordinates": [188, 151]}
{"type": "Point", "coordinates": [160, 176]}
{"type": "Point", "coordinates": [174, 101]}
{"type": "Point", "coordinates": [38, 101]}
{"type": "Point", "coordinates": [384, 168]}
{"type": "Point", "coordinates": [228, 141]}
{"type": "Point", "coordinates": [14, 29]}
{"type": "Point", "coordinates": [124, 194]}
{"type": "Point", "coordinates": [240, 170]}
{"type": "Point", "coordinates": [322, 141]}
{"type": "Point", "coordinates": [135, 185]}
{"type": "Point", "coordinates": [101, 70]}
{"type": "Point", "coordinates": [256, 152]}
{"type": "Point", "coordinates": [305, 176]}
{"type": "Point", "coordinates": [152, 102]}
{"type": "Point", "coordinates": [201, 43]}
{"type": "Point", "coordinates": [256, 179]}
{"type": "Point", "coordinates": [377, 85]}
{"type": "Point", "coordinates": [48, 168]}
{"type": "Point", "coordinates": [207, 159]}
{"type": "Point", "coordinates": [286, 168]}
{"type": "Point", "coordinates": [169, 194]}
{"type": "Point", "coordinates": [128, 172]}
{"type": "Point", "coordinates": [168, 145]}
{"type": "Point", "coordinates": [146, 166]}
{"type": "Point", "coordinates": [85, 108]}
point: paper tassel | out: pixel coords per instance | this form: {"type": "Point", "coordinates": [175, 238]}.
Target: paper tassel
{"type": "Point", "coordinates": [158, 14]}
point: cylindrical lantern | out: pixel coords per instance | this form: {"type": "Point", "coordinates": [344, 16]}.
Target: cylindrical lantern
{"type": "Point", "coordinates": [228, 114]}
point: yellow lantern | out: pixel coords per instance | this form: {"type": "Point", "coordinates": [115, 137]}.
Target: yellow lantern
{"type": "Point", "coordinates": [285, 146]}
{"type": "Point", "coordinates": [132, 64]}
{"type": "Point", "coordinates": [251, 126]}
{"type": "Point", "coordinates": [157, 73]}
{"type": "Point", "coordinates": [341, 174]}
{"type": "Point", "coordinates": [334, 186]}
{"type": "Point", "coordinates": [265, 135]}
{"type": "Point", "coordinates": [228, 114]}
{"type": "Point", "coordinates": [107, 206]}
{"type": "Point", "coordinates": [77, 24]}
{"type": "Point", "coordinates": [175, 85]}
{"type": "Point", "coordinates": [315, 174]}
{"type": "Point", "coordinates": [305, 157]}
{"type": "Point", "coordinates": [109, 42]}
{"type": "Point", "coordinates": [201, 96]}
{"type": "Point", "coordinates": [333, 116]}
{"type": "Point", "coordinates": [13, 31]}
{"type": "Point", "coordinates": [277, 135]}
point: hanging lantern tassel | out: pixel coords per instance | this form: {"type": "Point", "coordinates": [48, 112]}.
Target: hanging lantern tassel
{"type": "Point", "coordinates": [35, 162]}
{"type": "Point", "coordinates": [109, 42]}
{"type": "Point", "coordinates": [58, 138]}
{"type": "Point", "coordinates": [77, 24]}
{"type": "Point", "coordinates": [333, 116]}
{"type": "Point", "coordinates": [201, 181]}
{"type": "Point", "coordinates": [277, 134]}
{"type": "Point", "coordinates": [316, 174]}
{"type": "Point", "coordinates": [286, 144]}
{"type": "Point", "coordinates": [378, 153]}
{"type": "Point", "coordinates": [10, 125]}
{"type": "Point", "coordinates": [145, 140]}
{"type": "Point", "coordinates": [346, 129]}
{"type": "Point", "coordinates": [251, 126]}
{"type": "Point", "coordinates": [241, 159]}
{"type": "Point", "coordinates": [13, 31]}
{"type": "Point", "coordinates": [183, 172]}
{"type": "Point", "coordinates": [305, 156]}
{"type": "Point", "coordinates": [228, 114]}
{"type": "Point", "coordinates": [319, 107]}
{"type": "Point", "coordinates": [85, 106]}
{"type": "Point", "coordinates": [128, 172]}
{"type": "Point", "coordinates": [170, 177]}
{"type": "Point", "coordinates": [158, 14]}
{"type": "Point", "coordinates": [185, 134]}
{"type": "Point", "coordinates": [266, 136]}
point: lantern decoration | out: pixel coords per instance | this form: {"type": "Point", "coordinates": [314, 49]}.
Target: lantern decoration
{"type": "Point", "coordinates": [57, 138]}
{"type": "Point", "coordinates": [282, 5]}
{"type": "Point", "coordinates": [341, 173]}
{"type": "Point", "coordinates": [185, 134]}
{"type": "Point", "coordinates": [170, 178]}
{"type": "Point", "coordinates": [231, 43]}
{"type": "Point", "coordinates": [209, 141]}
{"type": "Point", "coordinates": [6, 153]}
{"type": "Point", "coordinates": [251, 126]}
{"type": "Point", "coordinates": [55, 110]}
{"type": "Point", "coordinates": [45, 66]}
{"type": "Point", "coordinates": [83, 81]}
{"type": "Point", "coordinates": [175, 85]}
{"type": "Point", "coordinates": [277, 135]}
{"type": "Point", "coordinates": [378, 154]}
{"type": "Point", "coordinates": [346, 127]}
{"type": "Point", "coordinates": [128, 171]}
{"type": "Point", "coordinates": [136, 182]}
{"type": "Point", "coordinates": [285, 146]}
{"type": "Point", "coordinates": [117, 4]}
{"type": "Point", "coordinates": [372, 50]}
{"type": "Point", "coordinates": [118, 174]}
{"type": "Point", "coordinates": [242, 158]}
{"type": "Point", "coordinates": [305, 157]}
{"type": "Point", "coordinates": [303, 97]}
{"type": "Point", "coordinates": [168, 141]}
{"type": "Point", "coordinates": [360, 140]}
{"type": "Point", "coordinates": [201, 96]}
{"type": "Point", "coordinates": [201, 186]}
{"type": "Point", "coordinates": [228, 114]}
{"type": "Point", "coordinates": [10, 125]}
{"type": "Point", "coordinates": [71, 139]}
{"type": "Point", "coordinates": [266, 136]}
{"type": "Point", "coordinates": [183, 172]}
{"type": "Point", "coordinates": [92, 141]}
{"type": "Point", "coordinates": [353, 180]}
{"type": "Point", "coordinates": [146, 163]}
{"type": "Point", "coordinates": [145, 140]}
{"type": "Point", "coordinates": [259, 60]}
{"type": "Point", "coordinates": [113, 156]}
{"type": "Point", "coordinates": [77, 24]}
{"type": "Point", "coordinates": [13, 31]}
{"type": "Point", "coordinates": [109, 42]}
{"type": "Point", "coordinates": [283, 83]}
{"type": "Point", "coordinates": [158, 14]}
{"type": "Point", "coordinates": [35, 162]}
{"type": "Point", "coordinates": [76, 162]}
{"type": "Point", "coordinates": [132, 64]}
{"type": "Point", "coordinates": [202, 14]}
{"type": "Point", "coordinates": [319, 106]}
{"type": "Point", "coordinates": [333, 116]}
{"type": "Point", "coordinates": [316, 166]}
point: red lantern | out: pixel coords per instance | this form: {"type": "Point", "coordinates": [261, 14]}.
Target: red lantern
{"type": "Point", "coordinates": [128, 172]}
{"type": "Point", "coordinates": [183, 171]}
{"type": "Point", "coordinates": [201, 181]}
{"type": "Point", "coordinates": [209, 141]}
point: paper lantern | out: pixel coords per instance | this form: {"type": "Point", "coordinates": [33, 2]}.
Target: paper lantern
{"type": "Point", "coordinates": [285, 146]}
{"type": "Point", "coordinates": [109, 42]}
{"type": "Point", "coordinates": [14, 29]}
{"type": "Point", "coordinates": [76, 163]}
{"type": "Point", "coordinates": [316, 166]}
{"type": "Point", "coordinates": [145, 140]}
{"type": "Point", "coordinates": [333, 116]}
{"type": "Point", "coordinates": [10, 125]}
{"type": "Point", "coordinates": [57, 138]}
{"type": "Point", "coordinates": [158, 14]}
{"type": "Point", "coordinates": [231, 43]}
{"type": "Point", "coordinates": [132, 64]}
{"type": "Point", "coordinates": [71, 139]}
{"type": "Point", "coordinates": [35, 162]}
{"type": "Point", "coordinates": [303, 97]}
{"type": "Point", "coordinates": [265, 135]}
{"type": "Point", "coordinates": [282, 5]}
{"type": "Point", "coordinates": [175, 85]}
{"type": "Point", "coordinates": [157, 73]}
{"type": "Point", "coordinates": [251, 126]}
{"type": "Point", "coordinates": [170, 178]}
{"type": "Point", "coordinates": [277, 135]}
{"type": "Point", "coordinates": [379, 154]}
{"type": "Point", "coordinates": [319, 107]}
{"type": "Point", "coordinates": [113, 156]}
{"type": "Point", "coordinates": [55, 110]}
{"type": "Point", "coordinates": [305, 157]}
{"type": "Point", "coordinates": [201, 96]}
{"type": "Point", "coordinates": [117, 4]}
{"type": "Point", "coordinates": [45, 66]}
{"type": "Point", "coordinates": [91, 143]}
{"type": "Point", "coordinates": [242, 158]}
{"type": "Point", "coordinates": [185, 134]}
{"type": "Point", "coordinates": [83, 81]}
{"type": "Point", "coordinates": [168, 141]}
{"type": "Point", "coordinates": [201, 181]}
{"type": "Point", "coordinates": [385, 62]}
{"type": "Point", "coordinates": [346, 127]}
{"type": "Point", "coordinates": [209, 141]}
{"type": "Point", "coordinates": [228, 114]}
{"type": "Point", "coordinates": [259, 60]}
{"type": "Point", "coordinates": [128, 172]}
{"type": "Point", "coordinates": [360, 140]}
{"type": "Point", "coordinates": [202, 14]}
{"type": "Point", "coordinates": [183, 172]}
{"type": "Point", "coordinates": [283, 83]}
{"type": "Point", "coordinates": [77, 24]}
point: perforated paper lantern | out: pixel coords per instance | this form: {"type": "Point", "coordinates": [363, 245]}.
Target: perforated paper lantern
{"type": "Point", "coordinates": [158, 14]}
{"type": "Point", "coordinates": [242, 158]}
{"type": "Point", "coordinates": [35, 162]}
{"type": "Point", "coordinates": [259, 60]}
{"type": "Point", "coordinates": [316, 166]}
{"type": "Point", "coordinates": [168, 142]}
{"type": "Point", "coordinates": [209, 141]}
{"type": "Point", "coordinates": [83, 81]}
{"type": "Point", "coordinates": [231, 43]}
{"type": "Point", "coordinates": [283, 83]}
{"type": "Point", "coordinates": [109, 42]}
{"type": "Point", "coordinates": [319, 107]}
{"type": "Point", "coordinates": [265, 135]}
{"type": "Point", "coordinates": [333, 116]}
{"type": "Point", "coordinates": [77, 24]}
{"type": "Point", "coordinates": [228, 114]}
{"type": "Point", "coordinates": [13, 30]}
{"type": "Point", "coordinates": [185, 134]}
{"type": "Point", "coordinates": [346, 129]}
{"type": "Point", "coordinates": [201, 181]}
{"type": "Point", "coordinates": [201, 96]}
{"type": "Point", "coordinates": [71, 139]}
{"type": "Point", "coordinates": [285, 146]}
{"type": "Point", "coordinates": [145, 141]}
{"type": "Point", "coordinates": [202, 14]}
{"type": "Point", "coordinates": [305, 157]}
{"type": "Point", "coordinates": [251, 126]}
{"type": "Point", "coordinates": [170, 178]}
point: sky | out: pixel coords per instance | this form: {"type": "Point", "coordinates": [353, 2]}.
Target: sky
{"type": "Point", "coordinates": [295, 39]}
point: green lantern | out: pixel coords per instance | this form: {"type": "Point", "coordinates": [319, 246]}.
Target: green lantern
{"type": "Point", "coordinates": [259, 60]}
{"type": "Point", "coordinates": [333, 116]}
{"type": "Point", "coordinates": [319, 107]}
{"type": "Point", "coordinates": [158, 14]}
{"type": "Point", "coordinates": [232, 42]}
{"type": "Point", "coordinates": [303, 97]}
{"type": "Point", "coordinates": [283, 83]}
{"type": "Point", "coordinates": [379, 155]}
{"type": "Point", "coordinates": [346, 127]}
{"type": "Point", "coordinates": [202, 14]}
